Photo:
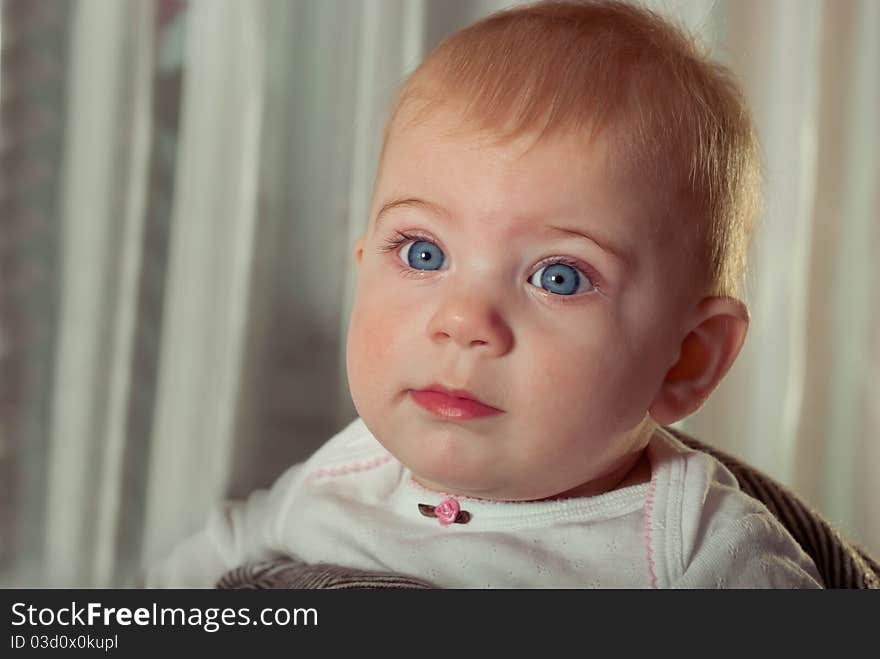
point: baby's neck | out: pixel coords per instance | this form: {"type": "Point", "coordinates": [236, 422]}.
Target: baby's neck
{"type": "Point", "coordinates": [635, 471]}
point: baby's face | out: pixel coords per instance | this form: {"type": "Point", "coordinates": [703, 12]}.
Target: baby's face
{"type": "Point", "coordinates": [533, 280]}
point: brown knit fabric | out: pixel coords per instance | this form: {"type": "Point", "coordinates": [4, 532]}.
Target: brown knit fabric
{"type": "Point", "coordinates": [841, 564]}
{"type": "Point", "coordinates": [293, 573]}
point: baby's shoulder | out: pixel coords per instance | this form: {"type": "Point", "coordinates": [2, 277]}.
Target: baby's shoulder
{"type": "Point", "coordinates": [698, 483]}
{"type": "Point", "coordinates": [713, 528]}
{"type": "Point", "coordinates": [352, 449]}
{"type": "Point", "coordinates": [349, 446]}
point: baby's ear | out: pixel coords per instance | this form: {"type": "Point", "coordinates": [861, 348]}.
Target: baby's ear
{"type": "Point", "coordinates": [717, 333]}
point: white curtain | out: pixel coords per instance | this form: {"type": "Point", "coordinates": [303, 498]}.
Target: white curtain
{"type": "Point", "coordinates": [216, 168]}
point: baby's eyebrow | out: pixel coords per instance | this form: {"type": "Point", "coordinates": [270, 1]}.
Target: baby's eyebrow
{"type": "Point", "coordinates": [604, 245]}
{"type": "Point", "coordinates": [412, 202]}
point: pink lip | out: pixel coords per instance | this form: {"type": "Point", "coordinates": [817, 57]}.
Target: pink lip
{"type": "Point", "coordinates": [451, 403]}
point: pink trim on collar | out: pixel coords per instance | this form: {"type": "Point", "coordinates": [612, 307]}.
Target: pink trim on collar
{"type": "Point", "coordinates": [649, 510]}
{"type": "Point", "coordinates": [349, 468]}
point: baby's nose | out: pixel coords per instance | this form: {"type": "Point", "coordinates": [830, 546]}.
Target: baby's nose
{"type": "Point", "coordinates": [471, 320]}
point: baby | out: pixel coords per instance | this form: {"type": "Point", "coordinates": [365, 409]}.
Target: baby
{"type": "Point", "coordinates": [548, 277]}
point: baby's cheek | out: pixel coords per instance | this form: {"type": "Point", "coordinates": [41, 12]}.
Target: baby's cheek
{"type": "Point", "coordinates": [584, 388]}
{"type": "Point", "coordinates": [371, 338]}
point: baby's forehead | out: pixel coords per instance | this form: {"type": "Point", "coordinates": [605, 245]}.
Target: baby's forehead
{"type": "Point", "coordinates": [617, 141]}
{"type": "Point", "coordinates": [541, 158]}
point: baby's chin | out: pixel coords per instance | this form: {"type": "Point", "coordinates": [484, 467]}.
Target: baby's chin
{"type": "Point", "coordinates": [448, 474]}
{"type": "Point", "coordinates": [470, 491]}
{"type": "Point", "coordinates": [489, 492]}
{"type": "Point", "coordinates": [477, 482]}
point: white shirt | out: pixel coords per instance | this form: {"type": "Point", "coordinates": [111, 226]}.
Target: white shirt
{"type": "Point", "coordinates": [354, 505]}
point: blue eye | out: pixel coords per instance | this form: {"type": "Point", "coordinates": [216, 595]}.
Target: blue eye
{"type": "Point", "coordinates": [422, 255]}
{"type": "Point", "coordinates": [558, 278]}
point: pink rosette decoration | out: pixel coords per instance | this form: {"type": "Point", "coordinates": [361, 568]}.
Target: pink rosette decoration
{"type": "Point", "coordinates": [447, 511]}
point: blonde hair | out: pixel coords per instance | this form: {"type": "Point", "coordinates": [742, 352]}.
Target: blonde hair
{"type": "Point", "coordinates": [677, 119]}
